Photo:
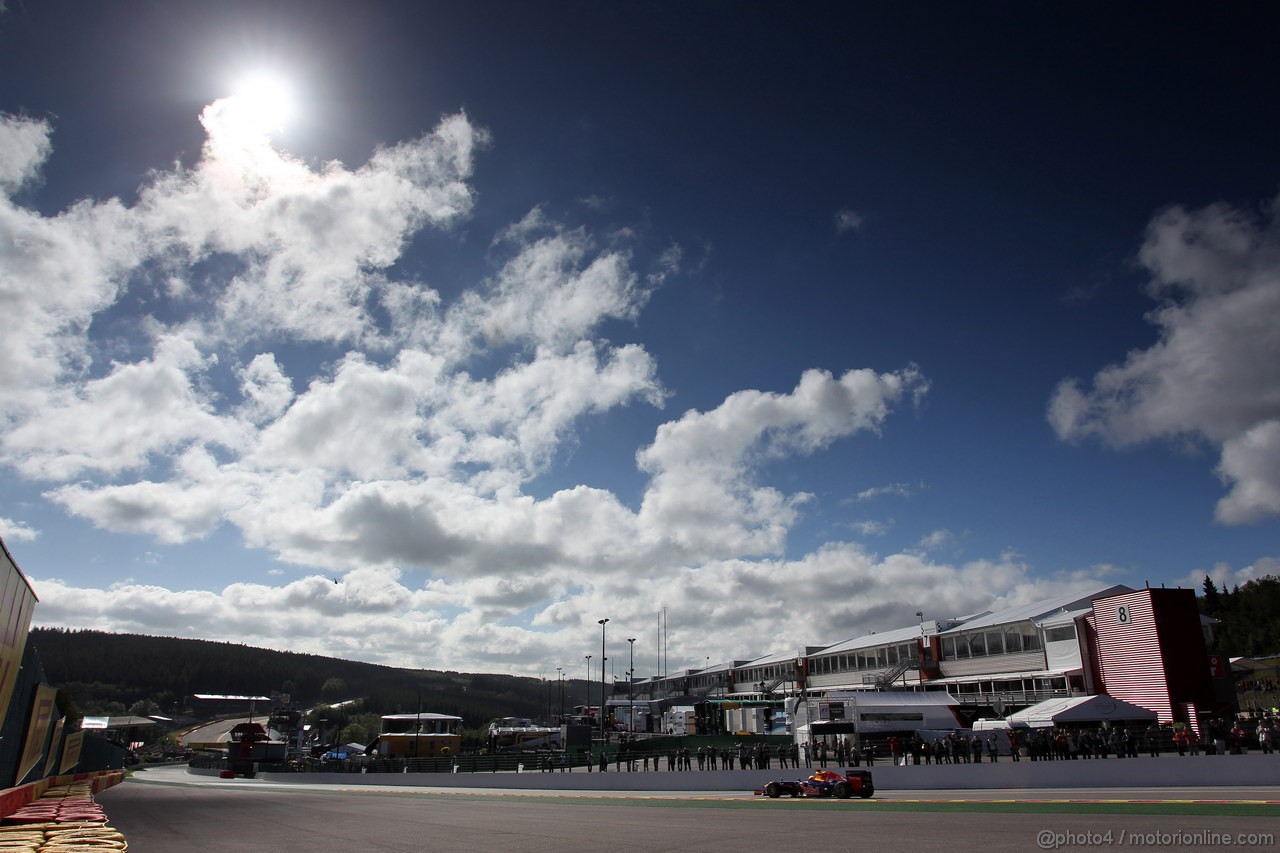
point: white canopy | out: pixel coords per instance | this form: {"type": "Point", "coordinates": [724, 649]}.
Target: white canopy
{"type": "Point", "coordinates": [1080, 709]}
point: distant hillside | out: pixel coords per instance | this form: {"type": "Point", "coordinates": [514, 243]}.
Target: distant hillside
{"type": "Point", "coordinates": [1248, 616]}
{"type": "Point", "coordinates": [120, 673]}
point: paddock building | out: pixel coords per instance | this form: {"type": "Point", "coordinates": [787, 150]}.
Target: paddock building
{"type": "Point", "coordinates": [1148, 647]}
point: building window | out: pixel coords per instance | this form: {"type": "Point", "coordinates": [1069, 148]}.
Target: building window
{"type": "Point", "coordinates": [1060, 634]}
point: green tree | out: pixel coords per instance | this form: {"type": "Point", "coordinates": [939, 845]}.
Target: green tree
{"type": "Point", "coordinates": [1211, 600]}
{"type": "Point", "coordinates": [334, 689]}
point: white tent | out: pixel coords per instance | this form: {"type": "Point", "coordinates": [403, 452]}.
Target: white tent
{"type": "Point", "coordinates": [1080, 709]}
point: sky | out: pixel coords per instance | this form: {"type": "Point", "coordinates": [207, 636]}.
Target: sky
{"type": "Point", "coordinates": [432, 333]}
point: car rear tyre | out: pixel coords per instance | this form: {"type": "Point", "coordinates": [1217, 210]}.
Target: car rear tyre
{"type": "Point", "coordinates": [866, 792]}
{"type": "Point", "coordinates": [842, 791]}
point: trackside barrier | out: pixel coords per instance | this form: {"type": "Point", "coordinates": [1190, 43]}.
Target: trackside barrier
{"type": "Point", "coordinates": [1200, 772]}
{"type": "Point", "coordinates": [12, 799]}
{"type": "Point", "coordinates": [501, 763]}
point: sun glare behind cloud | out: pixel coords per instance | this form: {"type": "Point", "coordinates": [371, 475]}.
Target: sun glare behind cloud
{"type": "Point", "coordinates": [264, 103]}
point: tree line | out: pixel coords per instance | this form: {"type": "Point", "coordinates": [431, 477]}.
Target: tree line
{"type": "Point", "coordinates": [1248, 616]}
{"type": "Point", "coordinates": [101, 673]}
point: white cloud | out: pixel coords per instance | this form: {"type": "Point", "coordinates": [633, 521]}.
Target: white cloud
{"type": "Point", "coordinates": [1214, 374]}
{"type": "Point", "coordinates": [279, 374]}
{"type": "Point", "coordinates": [848, 220]}
{"type": "Point", "coordinates": [722, 609]}
{"type": "Point", "coordinates": [1226, 577]}
{"type": "Point", "coordinates": [901, 490]}
{"type": "Point", "coordinates": [120, 421]}
{"type": "Point", "coordinates": [702, 492]}
{"type": "Point", "coordinates": [24, 146]}
{"type": "Point", "coordinates": [17, 531]}
{"type": "Point", "coordinates": [1251, 465]}
{"type": "Point", "coordinates": [936, 541]}
{"type": "Point", "coordinates": [871, 527]}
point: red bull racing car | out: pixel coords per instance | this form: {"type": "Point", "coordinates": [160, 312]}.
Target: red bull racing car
{"type": "Point", "coordinates": [824, 783]}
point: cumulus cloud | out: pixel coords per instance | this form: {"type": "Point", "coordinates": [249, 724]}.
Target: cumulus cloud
{"type": "Point", "coordinates": [1213, 377]}
{"type": "Point", "coordinates": [1224, 576]}
{"type": "Point", "coordinates": [722, 608]}
{"type": "Point", "coordinates": [24, 146]}
{"type": "Point", "coordinates": [936, 540]}
{"type": "Point", "coordinates": [240, 347]}
{"type": "Point", "coordinates": [702, 492]}
{"type": "Point", "coordinates": [16, 531]}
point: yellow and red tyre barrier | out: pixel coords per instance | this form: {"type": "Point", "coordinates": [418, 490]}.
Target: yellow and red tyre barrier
{"type": "Point", "coordinates": [64, 819]}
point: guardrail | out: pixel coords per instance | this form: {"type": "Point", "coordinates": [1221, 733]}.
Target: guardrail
{"type": "Point", "coordinates": [503, 763]}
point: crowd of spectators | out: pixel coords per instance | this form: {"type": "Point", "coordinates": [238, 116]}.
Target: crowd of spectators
{"type": "Point", "coordinates": [1218, 737]}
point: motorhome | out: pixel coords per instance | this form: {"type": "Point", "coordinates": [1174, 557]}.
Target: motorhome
{"type": "Point", "coordinates": [512, 734]}
{"type": "Point", "coordinates": [421, 735]}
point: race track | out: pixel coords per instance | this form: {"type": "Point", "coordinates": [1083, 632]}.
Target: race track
{"type": "Point", "coordinates": [168, 811]}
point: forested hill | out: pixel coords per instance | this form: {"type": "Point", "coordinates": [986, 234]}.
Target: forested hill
{"type": "Point", "coordinates": [1248, 616]}
{"type": "Point", "coordinates": [118, 673]}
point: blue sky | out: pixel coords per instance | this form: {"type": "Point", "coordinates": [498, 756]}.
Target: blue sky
{"type": "Point", "coordinates": [793, 320]}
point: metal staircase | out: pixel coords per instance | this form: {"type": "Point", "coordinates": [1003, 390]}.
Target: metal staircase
{"type": "Point", "coordinates": [885, 679]}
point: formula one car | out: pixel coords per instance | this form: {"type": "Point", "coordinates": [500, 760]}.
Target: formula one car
{"type": "Point", "coordinates": [824, 783]}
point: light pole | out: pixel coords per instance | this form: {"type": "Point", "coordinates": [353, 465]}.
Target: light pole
{"type": "Point", "coordinates": [924, 648]}
{"type": "Point", "coordinates": [560, 688]}
{"type": "Point", "coordinates": [631, 687]}
{"type": "Point", "coordinates": [588, 683]}
{"type": "Point", "coordinates": [602, 623]}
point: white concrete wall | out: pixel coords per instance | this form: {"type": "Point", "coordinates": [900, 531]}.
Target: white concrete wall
{"type": "Point", "coordinates": [1205, 771]}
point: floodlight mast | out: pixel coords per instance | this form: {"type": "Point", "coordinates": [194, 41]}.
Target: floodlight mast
{"type": "Point", "coordinates": [602, 623]}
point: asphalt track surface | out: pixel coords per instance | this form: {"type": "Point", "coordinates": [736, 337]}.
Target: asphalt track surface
{"type": "Point", "coordinates": [169, 811]}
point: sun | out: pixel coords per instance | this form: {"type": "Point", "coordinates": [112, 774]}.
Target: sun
{"type": "Point", "coordinates": [262, 103]}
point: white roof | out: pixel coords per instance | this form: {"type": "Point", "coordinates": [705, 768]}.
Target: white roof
{"type": "Point", "coordinates": [870, 641]}
{"type": "Point", "coordinates": [1080, 709]}
{"type": "Point", "coordinates": [1062, 617]}
{"type": "Point", "coordinates": [891, 698]}
{"type": "Point", "coordinates": [1001, 676]}
{"type": "Point", "coordinates": [776, 657]}
{"type": "Point", "coordinates": [1038, 611]}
